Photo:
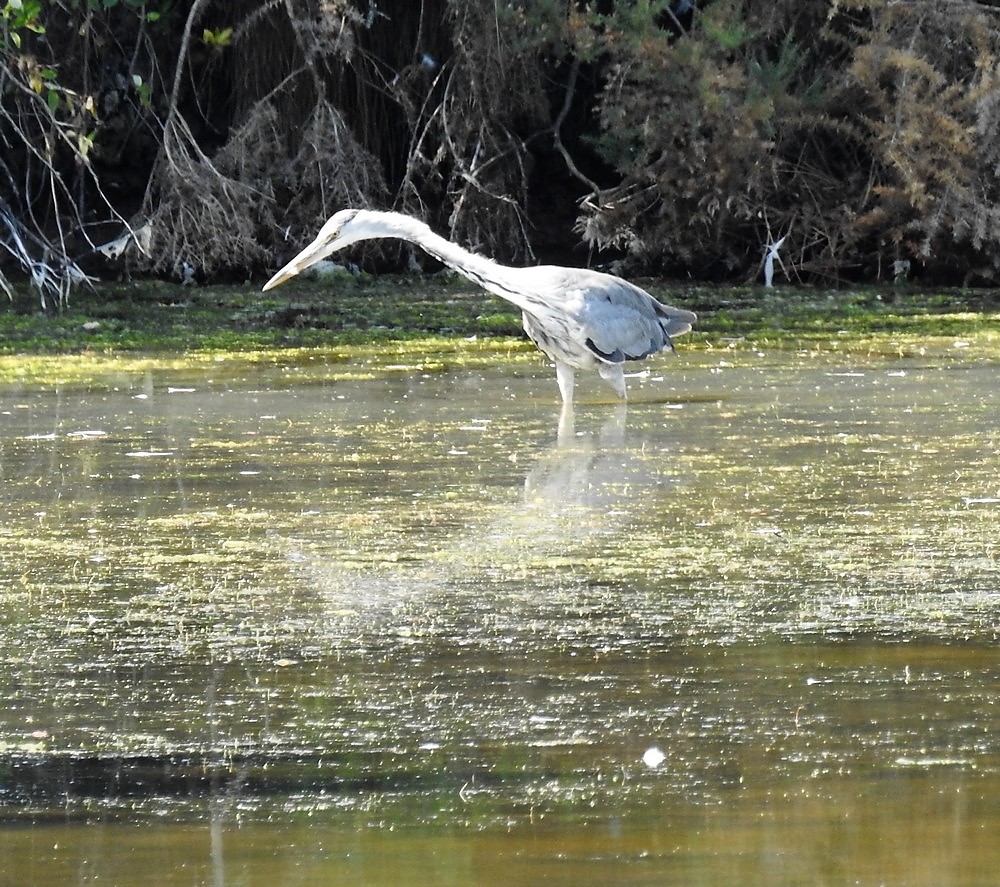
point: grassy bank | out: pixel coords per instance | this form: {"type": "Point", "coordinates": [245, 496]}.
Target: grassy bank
{"type": "Point", "coordinates": [155, 318]}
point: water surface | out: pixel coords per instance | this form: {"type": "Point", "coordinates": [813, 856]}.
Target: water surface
{"type": "Point", "coordinates": [306, 623]}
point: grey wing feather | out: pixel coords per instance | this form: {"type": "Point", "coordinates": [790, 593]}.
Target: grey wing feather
{"type": "Point", "coordinates": [625, 322]}
{"type": "Point", "coordinates": [596, 315]}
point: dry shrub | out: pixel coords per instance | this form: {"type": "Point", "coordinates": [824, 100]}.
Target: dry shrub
{"type": "Point", "coordinates": [328, 170]}
{"type": "Point", "coordinates": [277, 176]}
{"type": "Point", "coordinates": [227, 213]}
{"type": "Point", "coordinates": [202, 219]}
{"type": "Point", "coordinates": [468, 156]}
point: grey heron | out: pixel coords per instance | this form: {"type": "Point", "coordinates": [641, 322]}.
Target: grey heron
{"type": "Point", "coordinates": [581, 319]}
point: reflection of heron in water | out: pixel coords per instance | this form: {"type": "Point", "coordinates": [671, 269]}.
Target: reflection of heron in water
{"type": "Point", "coordinates": [582, 472]}
{"type": "Point", "coordinates": [581, 319]}
{"type": "Point", "coordinates": [578, 492]}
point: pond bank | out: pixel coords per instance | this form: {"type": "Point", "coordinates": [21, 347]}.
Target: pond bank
{"type": "Point", "coordinates": [127, 326]}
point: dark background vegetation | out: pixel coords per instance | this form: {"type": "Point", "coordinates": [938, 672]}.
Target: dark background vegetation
{"type": "Point", "coordinates": [209, 139]}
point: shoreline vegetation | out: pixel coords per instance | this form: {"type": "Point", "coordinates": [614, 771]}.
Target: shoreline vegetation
{"type": "Point", "coordinates": [394, 315]}
{"type": "Point", "coordinates": [197, 140]}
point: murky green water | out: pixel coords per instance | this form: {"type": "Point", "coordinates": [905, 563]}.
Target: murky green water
{"type": "Point", "coordinates": [276, 624]}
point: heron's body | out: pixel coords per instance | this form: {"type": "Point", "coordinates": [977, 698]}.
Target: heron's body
{"type": "Point", "coordinates": [581, 319]}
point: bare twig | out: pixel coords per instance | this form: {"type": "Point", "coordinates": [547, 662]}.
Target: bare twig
{"type": "Point", "coordinates": [557, 125]}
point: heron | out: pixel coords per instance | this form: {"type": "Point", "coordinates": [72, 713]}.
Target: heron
{"type": "Point", "coordinates": [579, 318]}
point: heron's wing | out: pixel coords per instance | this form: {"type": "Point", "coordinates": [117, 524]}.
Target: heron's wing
{"type": "Point", "coordinates": [613, 318]}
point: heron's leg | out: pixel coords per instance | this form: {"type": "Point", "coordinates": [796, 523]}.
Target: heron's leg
{"type": "Point", "coordinates": [614, 375]}
{"type": "Point", "coordinates": [564, 376]}
{"type": "Point", "coordinates": [567, 425]}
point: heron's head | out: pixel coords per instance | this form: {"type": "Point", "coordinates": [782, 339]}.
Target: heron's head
{"type": "Point", "coordinates": [341, 229]}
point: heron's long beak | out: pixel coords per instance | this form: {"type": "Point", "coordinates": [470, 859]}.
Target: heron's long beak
{"type": "Point", "coordinates": [316, 250]}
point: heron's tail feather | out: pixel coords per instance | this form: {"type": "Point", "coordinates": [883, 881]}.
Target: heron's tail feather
{"type": "Point", "coordinates": [676, 321]}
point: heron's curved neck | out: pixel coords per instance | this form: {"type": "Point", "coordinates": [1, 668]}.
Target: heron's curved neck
{"type": "Point", "coordinates": [490, 275]}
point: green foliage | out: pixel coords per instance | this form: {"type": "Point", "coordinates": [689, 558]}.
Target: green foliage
{"type": "Point", "coordinates": [220, 38]}
{"type": "Point", "coordinates": [924, 85]}
{"type": "Point", "coordinates": [866, 129]}
{"type": "Point", "coordinates": [66, 102]}
{"type": "Point", "coordinates": [692, 123]}
{"type": "Point", "coordinates": [21, 15]}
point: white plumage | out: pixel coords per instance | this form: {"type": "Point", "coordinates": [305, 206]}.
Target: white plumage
{"type": "Point", "coordinates": [581, 319]}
